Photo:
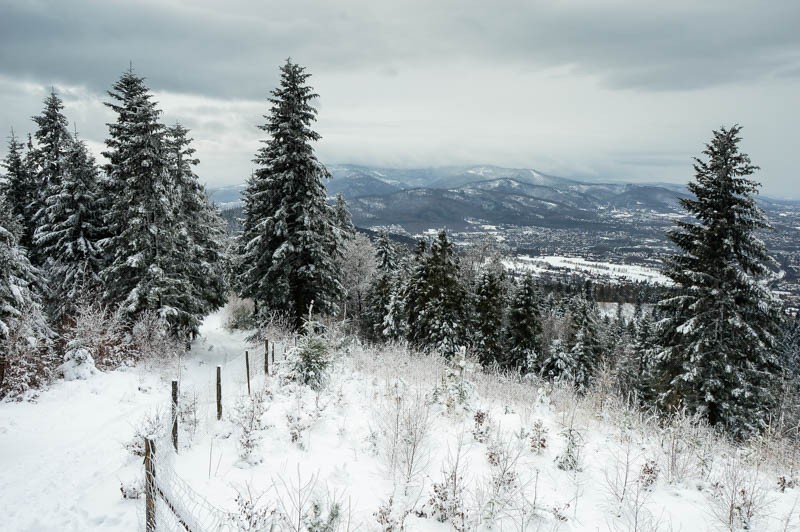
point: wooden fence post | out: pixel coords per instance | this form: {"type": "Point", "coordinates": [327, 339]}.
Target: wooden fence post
{"type": "Point", "coordinates": [247, 367]}
{"type": "Point", "coordinates": [273, 354]}
{"type": "Point", "coordinates": [149, 485]}
{"type": "Point", "coordinates": [175, 414]}
{"type": "Point", "coordinates": [219, 392]}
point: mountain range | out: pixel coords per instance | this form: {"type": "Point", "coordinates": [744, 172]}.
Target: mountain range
{"type": "Point", "coordinates": [460, 196]}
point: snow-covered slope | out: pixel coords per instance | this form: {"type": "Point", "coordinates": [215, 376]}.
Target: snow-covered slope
{"type": "Point", "coordinates": [63, 457]}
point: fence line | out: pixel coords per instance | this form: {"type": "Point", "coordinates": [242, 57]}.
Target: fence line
{"type": "Point", "coordinates": [170, 501]}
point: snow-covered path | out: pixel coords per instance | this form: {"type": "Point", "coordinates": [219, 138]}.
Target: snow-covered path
{"type": "Point", "coordinates": [62, 457]}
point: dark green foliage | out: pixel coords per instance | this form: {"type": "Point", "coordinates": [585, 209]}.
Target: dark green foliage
{"type": "Point", "coordinates": [718, 333]}
{"type": "Point", "coordinates": [140, 275]}
{"type": "Point", "coordinates": [489, 316]}
{"type": "Point", "coordinates": [71, 226]}
{"type": "Point", "coordinates": [524, 327]}
{"type": "Point", "coordinates": [435, 300]}
{"type": "Point", "coordinates": [291, 238]}
{"type": "Point", "coordinates": [199, 232]}
{"type": "Point", "coordinates": [20, 190]}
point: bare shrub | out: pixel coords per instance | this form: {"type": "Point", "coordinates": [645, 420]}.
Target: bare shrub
{"type": "Point", "coordinates": [538, 437]}
{"type": "Point", "coordinates": [153, 425]}
{"type": "Point", "coordinates": [738, 497]}
{"type": "Point", "coordinates": [404, 422]}
{"type": "Point", "coordinates": [446, 503]}
{"type": "Point", "coordinates": [133, 488]}
{"type": "Point", "coordinates": [482, 426]}
{"type": "Point", "coordinates": [251, 514]}
{"type": "Point", "coordinates": [239, 313]}
{"type": "Point", "coordinates": [503, 491]}
{"type": "Point", "coordinates": [247, 416]}
{"type": "Point", "coordinates": [151, 341]}
{"type": "Point", "coordinates": [301, 507]}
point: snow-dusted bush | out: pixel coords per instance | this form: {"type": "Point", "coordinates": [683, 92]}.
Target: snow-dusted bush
{"type": "Point", "coordinates": [482, 426]}
{"type": "Point", "coordinates": [251, 514]}
{"type": "Point", "coordinates": [538, 437]}
{"type": "Point", "coordinates": [391, 517]}
{"type": "Point", "coordinates": [570, 458]}
{"type": "Point", "coordinates": [132, 488]}
{"type": "Point", "coordinates": [308, 362]}
{"type": "Point", "coordinates": [27, 358]}
{"type": "Point", "coordinates": [404, 421]}
{"type": "Point", "coordinates": [738, 497]}
{"type": "Point", "coordinates": [98, 333]}
{"type": "Point", "coordinates": [239, 313]}
{"type": "Point", "coordinates": [447, 500]}
{"type": "Point", "coordinates": [150, 339]}
{"type": "Point", "coordinates": [153, 425]}
{"type": "Point", "coordinates": [247, 416]}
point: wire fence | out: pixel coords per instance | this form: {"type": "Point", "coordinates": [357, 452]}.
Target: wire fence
{"type": "Point", "coordinates": [171, 504]}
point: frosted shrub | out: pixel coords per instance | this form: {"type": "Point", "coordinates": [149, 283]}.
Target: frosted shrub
{"type": "Point", "coordinates": [308, 362]}
{"type": "Point", "coordinates": [570, 457]}
{"type": "Point", "coordinates": [247, 416]}
{"type": "Point", "coordinates": [738, 497]}
{"type": "Point", "coordinates": [132, 489]}
{"type": "Point", "coordinates": [446, 503]}
{"type": "Point", "coordinates": [152, 342]}
{"type": "Point", "coordinates": [251, 515]}
{"type": "Point", "coordinates": [97, 335]}
{"type": "Point", "coordinates": [391, 517]}
{"type": "Point", "coordinates": [538, 437]}
{"type": "Point", "coordinates": [482, 426]}
{"type": "Point", "coordinates": [153, 425]}
{"type": "Point", "coordinates": [322, 519]}
{"type": "Point", "coordinates": [239, 313]}
{"type": "Point", "coordinates": [27, 360]}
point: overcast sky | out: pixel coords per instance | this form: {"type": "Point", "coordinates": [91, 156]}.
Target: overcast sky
{"type": "Point", "coordinates": [605, 89]}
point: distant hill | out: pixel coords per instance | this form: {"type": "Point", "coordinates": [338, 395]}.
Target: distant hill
{"type": "Point", "coordinates": [462, 196]}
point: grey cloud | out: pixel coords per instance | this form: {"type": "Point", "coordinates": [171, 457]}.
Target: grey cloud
{"type": "Point", "coordinates": [231, 49]}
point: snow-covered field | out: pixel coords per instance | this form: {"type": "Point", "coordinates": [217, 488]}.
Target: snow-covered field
{"type": "Point", "coordinates": [389, 426]}
{"type": "Point", "coordinates": [628, 272]}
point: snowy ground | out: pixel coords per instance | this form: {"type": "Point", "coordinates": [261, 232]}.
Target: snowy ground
{"type": "Point", "coordinates": [63, 458]}
{"type": "Point", "coordinates": [628, 272]}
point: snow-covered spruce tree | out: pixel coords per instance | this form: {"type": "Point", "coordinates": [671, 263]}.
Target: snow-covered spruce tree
{"type": "Point", "coordinates": [19, 188]}
{"type": "Point", "coordinates": [383, 284]}
{"type": "Point", "coordinates": [71, 226]}
{"type": "Point", "coordinates": [574, 357]}
{"type": "Point", "coordinates": [439, 301]}
{"type": "Point", "coordinates": [488, 316]}
{"type": "Point", "coordinates": [144, 272]}
{"type": "Point", "coordinates": [199, 230]}
{"type": "Point", "coordinates": [290, 239]}
{"type": "Point", "coordinates": [26, 359]}
{"type": "Point", "coordinates": [524, 328]}
{"type": "Point", "coordinates": [717, 337]}
{"type": "Point", "coordinates": [53, 144]}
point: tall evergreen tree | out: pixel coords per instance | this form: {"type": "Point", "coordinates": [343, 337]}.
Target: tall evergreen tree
{"type": "Point", "coordinates": [718, 333]}
{"type": "Point", "coordinates": [524, 329]}
{"type": "Point", "coordinates": [199, 232]}
{"type": "Point", "coordinates": [290, 239]}
{"type": "Point", "coordinates": [24, 359]}
{"type": "Point", "coordinates": [379, 294]}
{"type": "Point", "coordinates": [489, 316]}
{"type": "Point", "coordinates": [144, 259]}
{"type": "Point", "coordinates": [70, 230]}
{"type": "Point", "coordinates": [437, 317]}
{"type": "Point", "coordinates": [53, 143]}
{"type": "Point", "coordinates": [20, 189]}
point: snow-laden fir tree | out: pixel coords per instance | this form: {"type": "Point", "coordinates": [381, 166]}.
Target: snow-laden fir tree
{"type": "Point", "coordinates": [199, 232]}
{"type": "Point", "coordinates": [436, 301]}
{"type": "Point", "coordinates": [71, 226]}
{"type": "Point", "coordinates": [19, 188]}
{"type": "Point", "coordinates": [489, 316]}
{"type": "Point", "coordinates": [144, 272]}
{"type": "Point", "coordinates": [717, 336]}
{"type": "Point", "coordinates": [524, 327]}
{"type": "Point", "coordinates": [53, 144]}
{"type": "Point", "coordinates": [25, 357]}
{"type": "Point", "coordinates": [291, 238]}
{"type": "Point", "coordinates": [383, 284]}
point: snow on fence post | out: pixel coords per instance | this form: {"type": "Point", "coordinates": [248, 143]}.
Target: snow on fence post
{"type": "Point", "coordinates": [149, 485]}
{"type": "Point", "coordinates": [175, 414]}
{"type": "Point", "coordinates": [247, 368]}
{"type": "Point", "coordinates": [219, 392]}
